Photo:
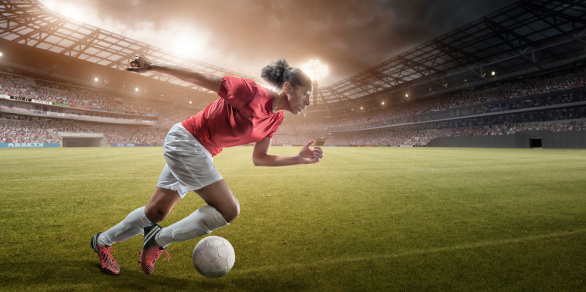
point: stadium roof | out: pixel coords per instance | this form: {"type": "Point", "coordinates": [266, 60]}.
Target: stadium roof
{"type": "Point", "coordinates": [30, 23]}
{"type": "Point", "coordinates": [525, 37]}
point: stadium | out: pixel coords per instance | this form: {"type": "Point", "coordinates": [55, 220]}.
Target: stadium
{"type": "Point", "coordinates": [457, 164]}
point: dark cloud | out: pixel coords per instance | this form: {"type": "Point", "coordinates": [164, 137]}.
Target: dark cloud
{"type": "Point", "coordinates": [348, 35]}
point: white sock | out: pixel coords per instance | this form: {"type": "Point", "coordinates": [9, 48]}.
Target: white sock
{"type": "Point", "coordinates": [201, 222]}
{"type": "Point", "coordinates": [130, 227]}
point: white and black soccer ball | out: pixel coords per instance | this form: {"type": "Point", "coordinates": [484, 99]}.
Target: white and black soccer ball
{"type": "Point", "coordinates": [213, 257]}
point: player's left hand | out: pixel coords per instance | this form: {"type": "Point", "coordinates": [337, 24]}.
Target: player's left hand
{"type": "Point", "coordinates": [307, 156]}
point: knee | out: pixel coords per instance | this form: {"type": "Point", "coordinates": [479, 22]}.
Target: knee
{"type": "Point", "coordinates": [156, 214]}
{"type": "Point", "coordinates": [231, 213]}
{"type": "Point", "coordinates": [161, 204]}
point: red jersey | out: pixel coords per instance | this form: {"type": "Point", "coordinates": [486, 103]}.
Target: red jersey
{"type": "Point", "coordinates": [243, 114]}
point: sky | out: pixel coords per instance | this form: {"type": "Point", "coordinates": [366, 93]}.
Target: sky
{"type": "Point", "coordinates": [348, 36]}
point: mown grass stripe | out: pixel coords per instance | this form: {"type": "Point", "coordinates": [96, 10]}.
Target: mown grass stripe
{"type": "Point", "coordinates": [410, 252]}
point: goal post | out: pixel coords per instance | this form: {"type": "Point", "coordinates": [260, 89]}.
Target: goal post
{"type": "Point", "coordinates": [83, 140]}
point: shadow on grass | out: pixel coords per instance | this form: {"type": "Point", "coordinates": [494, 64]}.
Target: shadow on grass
{"type": "Point", "coordinates": [86, 275]}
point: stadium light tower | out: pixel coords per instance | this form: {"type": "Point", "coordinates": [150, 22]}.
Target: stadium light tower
{"type": "Point", "coordinates": [316, 71]}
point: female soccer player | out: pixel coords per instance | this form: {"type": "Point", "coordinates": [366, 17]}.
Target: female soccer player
{"type": "Point", "coordinates": [245, 113]}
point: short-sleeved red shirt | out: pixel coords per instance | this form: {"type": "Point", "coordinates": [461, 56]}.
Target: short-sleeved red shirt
{"type": "Point", "coordinates": [243, 114]}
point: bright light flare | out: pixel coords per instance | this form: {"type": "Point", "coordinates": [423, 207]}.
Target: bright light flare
{"type": "Point", "coordinates": [49, 3]}
{"type": "Point", "coordinates": [185, 46]}
{"type": "Point", "coordinates": [188, 43]}
{"type": "Point", "coordinates": [66, 9]}
{"type": "Point", "coordinates": [315, 69]}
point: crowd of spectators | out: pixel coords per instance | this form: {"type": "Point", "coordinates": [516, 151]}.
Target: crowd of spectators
{"type": "Point", "coordinates": [296, 130]}
{"type": "Point", "coordinates": [411, 136]}
{"type": "Point", "coordinates": [32, 89]}
{"type": "Point", "coordinates": [27, 129]}
{"type": "Point", "coordinates": [489, 99]}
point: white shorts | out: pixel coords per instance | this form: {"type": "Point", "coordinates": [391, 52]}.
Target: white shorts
{"type": "Point", "coordinates": [189, 164]}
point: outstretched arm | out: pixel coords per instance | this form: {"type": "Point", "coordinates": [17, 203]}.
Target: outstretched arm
{"type": "Point", "coordinates": [260, 155]}
{"type": "Point", "coordinates": [141, 64]}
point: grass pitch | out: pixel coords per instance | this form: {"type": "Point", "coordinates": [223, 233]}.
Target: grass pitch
{"type": "Point", "coordinates": [361, 219]}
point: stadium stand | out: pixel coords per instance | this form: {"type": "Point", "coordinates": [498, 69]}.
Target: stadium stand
{"type": "Point", "coordinates": [540, 84]}
{"type": "Point", "coordinates": [26, 88]}
{"type": "Point", "coordinates": [411, 124]}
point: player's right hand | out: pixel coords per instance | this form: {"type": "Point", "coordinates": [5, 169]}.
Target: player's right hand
{"type": "Point", "coordinates": [307, 156]}
{"type": "Point", "coordinates": [139, 64]}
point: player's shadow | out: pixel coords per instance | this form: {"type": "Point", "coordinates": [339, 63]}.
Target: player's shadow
{"type": "Point", "coordinates": [133, 280]}
{"type": "Point", "coordinates": [138, 281]}
{"type": "Point", "coordinates": [85, 273]}
{"type": "Point", "coordinates": [74, 275]}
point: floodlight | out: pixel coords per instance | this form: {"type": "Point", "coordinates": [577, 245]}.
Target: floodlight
{"type": "Point", "coordinates": [315, 69]}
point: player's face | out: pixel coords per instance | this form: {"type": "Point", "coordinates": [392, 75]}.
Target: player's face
{"type": "Point", "coordinates": [299, 98]}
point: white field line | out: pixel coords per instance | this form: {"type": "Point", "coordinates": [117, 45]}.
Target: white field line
{"type": "Point", "coordinates": [311, 173]}
{"type": "Point", "coordinates": [89, 177]}
{"type": "Point", "coordinates": [411, 252]}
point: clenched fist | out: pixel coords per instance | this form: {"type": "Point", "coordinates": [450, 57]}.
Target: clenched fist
{"type": "Point", "coordinates": [139, 64]}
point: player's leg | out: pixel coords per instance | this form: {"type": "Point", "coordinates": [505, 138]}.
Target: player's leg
{"type": "Point", "coordinates": [159, 206]}
{"type": "Point", "coordinates": [220, 196]}
{"type": "Point", "coordinates": [222, 208]}
{"type": "Point", "coordinates": [107, 262]}
{"type": "Point", "coordinates": [101, 243]}
{"type": "Point", "coordinates": [157, 209]}
{"type": "Point", "coordinates": [191, 167]}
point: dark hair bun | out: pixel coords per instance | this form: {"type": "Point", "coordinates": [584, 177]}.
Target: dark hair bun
{"type": "Point", "coordinates": [273, 73]}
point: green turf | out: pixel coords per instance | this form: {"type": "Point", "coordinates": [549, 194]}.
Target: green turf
{"type": "Point", "coordinates": [362, 219]}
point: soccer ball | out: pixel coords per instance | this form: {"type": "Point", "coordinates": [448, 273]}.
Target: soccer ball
{"type": "Point", "coordinates": [213, 257]}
